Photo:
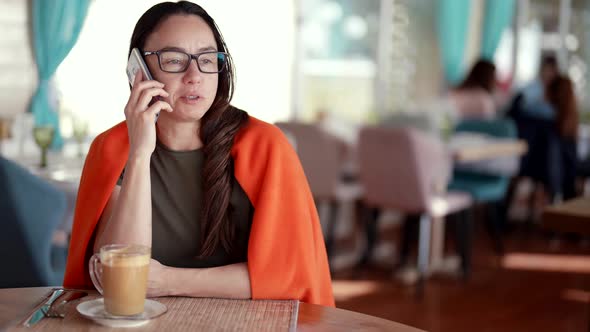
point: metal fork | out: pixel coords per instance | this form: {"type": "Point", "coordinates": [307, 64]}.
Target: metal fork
{"type": "Point", "coordinates": [57, 308]}
{"type": "Point", "coordinates": [55, 311]}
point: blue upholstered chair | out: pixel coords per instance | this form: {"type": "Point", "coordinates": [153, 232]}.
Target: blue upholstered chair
{"type": "Point", "coordinates": [30, 211]}
{"type": "Point", "coordinates": [485, 188]}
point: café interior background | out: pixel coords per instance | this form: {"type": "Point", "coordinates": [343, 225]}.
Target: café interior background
{"type": "Point", "coordinates": [355, 59]}
{"type": "Point", "coordinates": [350, 63]}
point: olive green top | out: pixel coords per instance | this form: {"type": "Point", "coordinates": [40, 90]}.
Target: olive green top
{"type": "Point", "coordinates": [176, 184]}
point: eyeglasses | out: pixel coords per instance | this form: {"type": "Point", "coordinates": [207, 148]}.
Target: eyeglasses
{"type": "Point", "coordinates": [178, 62]}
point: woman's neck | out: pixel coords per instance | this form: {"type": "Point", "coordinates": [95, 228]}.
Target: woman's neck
{"type": "Point", "coordinates": [179, 136]}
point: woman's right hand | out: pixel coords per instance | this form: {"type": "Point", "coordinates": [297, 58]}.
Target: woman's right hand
{"type": "Point", "coordinates": [141, 118]}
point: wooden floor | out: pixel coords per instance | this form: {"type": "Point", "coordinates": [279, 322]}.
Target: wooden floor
{"type": "Point", "coordinates": [552, 293]}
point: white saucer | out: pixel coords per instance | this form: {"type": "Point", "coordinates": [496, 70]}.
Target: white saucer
{"type": "Point", "coordinates": [94, 310]}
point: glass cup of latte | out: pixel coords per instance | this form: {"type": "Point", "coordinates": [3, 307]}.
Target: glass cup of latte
{"type": "Point", "coordinates": [119, 273]}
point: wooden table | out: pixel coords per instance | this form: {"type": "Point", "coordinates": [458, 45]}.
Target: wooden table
{"type": "Point", "coordinates": [17, 303]}
{"type": "Point", "coordinates": [570, 216]}
{"type": "Point", "coordinates": [487, 149]}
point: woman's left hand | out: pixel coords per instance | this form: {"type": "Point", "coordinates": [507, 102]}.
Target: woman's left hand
{"type": "Point", "coordinates": [157, 284]}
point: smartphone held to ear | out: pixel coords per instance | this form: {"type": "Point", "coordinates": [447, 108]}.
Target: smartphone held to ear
{"type": "Point", "coordinates": [135, 64]}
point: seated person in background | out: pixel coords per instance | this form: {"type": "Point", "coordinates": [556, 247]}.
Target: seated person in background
{"type": "Point", "coordinates": [561, 96]}
{"type": "Point", "coordinates": [532, 100]}
{"type": "Point", "coordinates": [218, 195]}
{"type": "Point", "coordinates": [473, 99]}
{"type": "Point", "coordinates": [535, 120]}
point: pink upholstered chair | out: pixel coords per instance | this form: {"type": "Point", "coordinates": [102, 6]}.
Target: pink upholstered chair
{"type": "Point", "coordinates": [321, 156]}
{"type": "Point", "coordinates": [408, 170]}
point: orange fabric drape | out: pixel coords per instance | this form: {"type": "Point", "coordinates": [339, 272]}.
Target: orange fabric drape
{"type": "Point", "coordinates": [286, 252]}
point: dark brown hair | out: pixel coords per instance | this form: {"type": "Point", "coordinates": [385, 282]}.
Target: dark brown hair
{"type": "Point", "coordinates": [560, 94]}
{"type": "Point", "coordinates": [218, 128]}
{"type": "Point", "coordinates": [482, 75]}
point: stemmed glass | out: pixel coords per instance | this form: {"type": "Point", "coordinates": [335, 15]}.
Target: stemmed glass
{"type": "Point", "coordinates": [80, 131]}
{"type": "Point", "coordinates": [43, 137]}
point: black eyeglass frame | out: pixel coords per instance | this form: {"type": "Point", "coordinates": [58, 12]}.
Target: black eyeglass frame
{"type": "Point", "coordinates": [191, 56]}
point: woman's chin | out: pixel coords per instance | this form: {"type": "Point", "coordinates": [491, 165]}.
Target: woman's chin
{"type": "Point", "coordinates": [185, 115]}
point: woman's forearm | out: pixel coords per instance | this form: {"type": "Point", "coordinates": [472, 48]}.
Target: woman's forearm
{"type": "Point", "coordinates": [131, 218]}
{"type": "Point", "coordinates": [230, 281]}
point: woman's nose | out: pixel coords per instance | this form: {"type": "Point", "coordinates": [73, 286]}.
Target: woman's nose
{"type": "Point", "coordinates": [193, 74]}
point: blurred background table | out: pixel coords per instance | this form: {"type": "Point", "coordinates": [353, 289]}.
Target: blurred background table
{"type": "Point", "coordinates": [572, 216]}
{"type": "Point", "coordinates": [469, 148]}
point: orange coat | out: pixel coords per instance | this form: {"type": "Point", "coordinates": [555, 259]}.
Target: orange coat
{"type": "Point", "coordinates": [286, 252]}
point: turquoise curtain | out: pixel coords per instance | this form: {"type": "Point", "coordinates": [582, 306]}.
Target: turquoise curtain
{"type": "Point", "coordinates": [497, 16]}
{"type": "Point", "coordinates": [452, 24]}
{"type": "Point", "coordinates": [56, 26]}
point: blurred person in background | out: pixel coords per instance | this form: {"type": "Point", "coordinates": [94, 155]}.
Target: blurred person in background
{"type": "Point", "coordinates": [531, 101]}
{"type": "Point", "coordinates": [474, 97]}
{"type": "Point", "coordinates": [561, 96]}
{"type": "Point", "coordinates": [535, 120]}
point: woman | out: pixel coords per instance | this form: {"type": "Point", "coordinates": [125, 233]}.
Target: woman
{"type": "Point", "coordinates": [473, 99]}
{"type": "Point", "coordinates": [560, 94]}
{"type": "Point", "coordinates": [231, 212]}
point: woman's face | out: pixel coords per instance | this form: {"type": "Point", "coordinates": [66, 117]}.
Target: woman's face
{"type": "Point", "coordinates": [191, 92]}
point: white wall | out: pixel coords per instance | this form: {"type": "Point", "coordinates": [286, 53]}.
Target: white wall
{"type": "Point", "coordinates": [261, 37]}
{"type": "Point", "coordinates": [18, 74]}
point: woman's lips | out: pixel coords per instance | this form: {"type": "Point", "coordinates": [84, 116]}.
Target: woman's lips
{"type": "Point", "coordinates": [191, 99]}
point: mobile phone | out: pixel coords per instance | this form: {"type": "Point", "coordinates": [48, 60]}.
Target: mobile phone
{"type": "Point", "coordinates": [135, 64]}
